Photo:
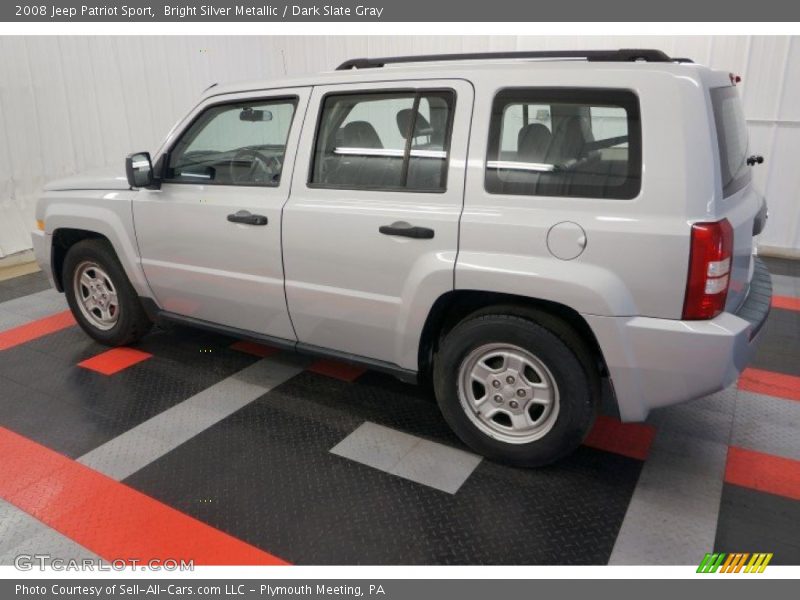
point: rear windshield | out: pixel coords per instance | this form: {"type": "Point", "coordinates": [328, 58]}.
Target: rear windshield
{"type": "Point", "coordinates": [732, 139]}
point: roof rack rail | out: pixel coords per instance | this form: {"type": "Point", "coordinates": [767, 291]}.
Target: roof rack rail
{"type": "Point", "coordinates": [623, 55]}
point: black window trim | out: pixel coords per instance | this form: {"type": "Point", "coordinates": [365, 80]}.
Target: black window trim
{"type": "Point", "coordinates": [742, 178]}
{"type": "Point", "coordinates": [417, 92]}
{"type": "Point", "coordinates": [166, 156]}
{"type": "Point", "coordinates": [591, 96]}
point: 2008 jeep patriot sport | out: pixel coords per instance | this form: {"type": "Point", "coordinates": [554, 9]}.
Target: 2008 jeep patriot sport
{"type": "Point", "coordinates": [523, 230]}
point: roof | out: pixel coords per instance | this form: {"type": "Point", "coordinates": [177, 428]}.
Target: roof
{"type": "Point", "coordinates": [447, 67]}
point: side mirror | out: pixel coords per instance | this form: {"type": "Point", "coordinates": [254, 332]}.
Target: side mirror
{"type": "Point", "coordinates": [139, 169]}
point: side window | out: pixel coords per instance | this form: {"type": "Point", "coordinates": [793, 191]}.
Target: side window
{"type": "Point", "coordinates": [384, 141]}
{"type": "Point", "coordinates": [234, 144]}
{"type": "Point", "coordinates": [583, 143]}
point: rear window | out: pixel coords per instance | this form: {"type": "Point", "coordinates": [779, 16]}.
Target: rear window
{"type": "Point", "coordinates": [732, 139]}
{"type": "Point", "coordinates": [581, 143]}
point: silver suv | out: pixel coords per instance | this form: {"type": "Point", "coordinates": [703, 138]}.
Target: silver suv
{"type": "Point", "coordinates": [521, 230]}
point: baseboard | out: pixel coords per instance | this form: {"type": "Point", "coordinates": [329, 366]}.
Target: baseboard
{"type": "Point", "coordinates": [18, 258]}
{"type": "Point", "coordinates": [16, 265]}
{"type": "Point", "coordinates": [779, 252]}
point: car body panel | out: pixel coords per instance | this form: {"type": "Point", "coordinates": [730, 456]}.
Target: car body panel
{"type": "Point", "coordinates": [103, 212]}
{"type": "Point", "coordinates": [635, 259]}
{"type": "Point", "coordinates": [654, 361]}
{"type": "Point", "coordinates": [199, 265]}
{"type": "Point", "coordinates": [107, 178]}
{"type": "Point", "coordinates": [350, 288]}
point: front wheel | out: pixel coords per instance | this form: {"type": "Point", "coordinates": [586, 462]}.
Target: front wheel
{"type": "Point", "coordinates": [515, 389]}
{"type": "Point", "coordinates": [100, 296]}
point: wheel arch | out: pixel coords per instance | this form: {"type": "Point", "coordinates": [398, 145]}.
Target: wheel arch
{"type": "Point", "coordinates": [65, 238]}
{"type": "Point", "coordinates": [454, 306]}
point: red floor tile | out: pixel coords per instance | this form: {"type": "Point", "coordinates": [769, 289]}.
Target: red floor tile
{"type": "Point", "coordinates": [763, 472]}
{"type": "Point", "coordinates": [114, 360]}
{"type": "Point", "coordinates": [109, 518]}
{"type": "Point", "coordinates": [629, 439]}
{"type": "Point", "coordinates": [786, 302]}
{"type": "Point", "coordinates": [36, 329]}
{"type": "Point", "coordinates": [337, 370]}
{"type": "Point", "coordinates": [769, 383]}
{"type": "Point", "coordinates": [254, 348]}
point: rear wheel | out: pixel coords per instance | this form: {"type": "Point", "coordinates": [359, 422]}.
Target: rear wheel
{"type": "Point", "coordinates": [100, 296]}
{"type": "Point", "coordinates": [518, 390]}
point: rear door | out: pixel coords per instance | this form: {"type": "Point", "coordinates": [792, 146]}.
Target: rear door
{"type": "Point", "coordinates": [210, 238]}
{"type": "Point", "coordinates": [370, 233]}
{"type": "Point", "coordinates": [740, 202]}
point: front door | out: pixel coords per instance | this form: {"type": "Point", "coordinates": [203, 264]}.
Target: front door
{"type": "Point", "coordinates": [210, 238]}
{"type": "Point", "coordinates": [371, 228]}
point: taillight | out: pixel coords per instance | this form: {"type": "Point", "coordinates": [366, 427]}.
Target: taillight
{"type": "Point", "coordinates": [709, 270]}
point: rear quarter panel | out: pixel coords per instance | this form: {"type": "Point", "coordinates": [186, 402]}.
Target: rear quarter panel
{"type": "Point", "coordinates": [636, 256]}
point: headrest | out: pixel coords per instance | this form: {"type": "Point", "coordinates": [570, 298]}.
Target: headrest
{"type": "Point", "coordinates": [422, 127]}
{"type": "Point", "coordinates": [568, 142]}
{"type": "Point", "coordinates": [533, 141]}
{"type": "Point", "coordinates": [359, 134]}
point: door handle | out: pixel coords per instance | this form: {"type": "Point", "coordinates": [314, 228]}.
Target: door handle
{"type": "Point", "coordinates": [404, 229]}
{"type": "Point", "coordinates": [248, 218]}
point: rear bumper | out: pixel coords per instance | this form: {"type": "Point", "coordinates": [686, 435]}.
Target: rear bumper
{"type": "Point", "coordinates": [658, 362]}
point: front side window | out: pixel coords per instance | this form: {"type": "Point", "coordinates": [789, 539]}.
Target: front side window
{"type": "Point", "coordinates": [384, 141]}
{"type": "Point", "coordinates": [234, 144]}
{"type": "Point", "coordinates": [583, 143]}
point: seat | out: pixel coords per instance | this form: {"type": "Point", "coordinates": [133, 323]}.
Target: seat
{"type": "Point", "coordinates": [421, 127]}
{"type": "Point", "coordinates": [568, 142]}
{"type": "Point", "coordinates": [533, 142]}
{"type": "Point", "coordinates": [566, 148]}
{"type": "Point", "coordinates": [362, 170]}
{"type": "Point", "coordinates": [424, 172]}
{"type": "Point", "coordinates": [358, 134]}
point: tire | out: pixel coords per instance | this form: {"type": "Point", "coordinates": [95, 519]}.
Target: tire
{"type": "Point", "coordinates": [111, 324]}
{"type": "Point", "coordinates": [560, 387]}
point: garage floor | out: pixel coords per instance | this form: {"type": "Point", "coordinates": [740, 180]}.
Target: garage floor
{"type": "Point", "coordinates": [197, 446]}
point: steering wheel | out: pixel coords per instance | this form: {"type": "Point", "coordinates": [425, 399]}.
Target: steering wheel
{"type": "Point", "coordinates": [264, 168]}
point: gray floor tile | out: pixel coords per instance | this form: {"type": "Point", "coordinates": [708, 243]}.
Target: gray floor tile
{"type": "Point", "coordinates": [135, 449]}
{"type": "Point", "coordinates": [673, 451]}
{"type": "Point", "coordinates": [672, 516]}
{"type": "Point", "coordinates": [376, 446]}
{"type": "Point", "coordinates": [408, 456]}
{"type": "Point", "coordinates": [21, 533]}
{"type": "Point", "coordinates": [272, 371]}
{"type": "Point", "coordinates": [124, 455]}
{"type": "Point", "coordinates": [36, 306]}
{"type": "Point", "coordinates": [438, 466]}
{"type": "Point", "coordinates": [767, 424]}
{"type": "Point", "coordinates": [695, 423]}
{"type": "Point", "coordinates": [52, 546]}
{"type": "Point", "coordinates": [15, 526]}
{"type": "Point", "coordinates": [783, 285]}
{"type": "Point", "coordinates": [9, 320]}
